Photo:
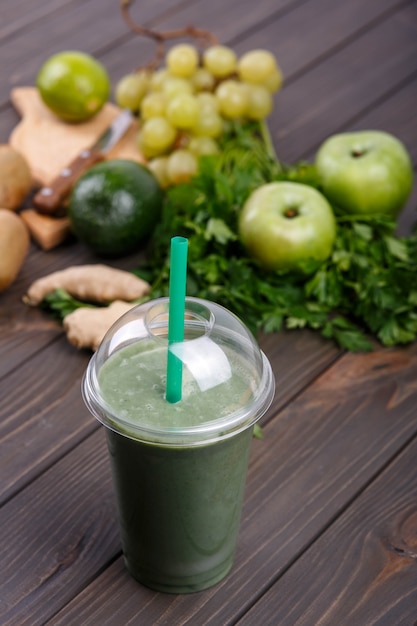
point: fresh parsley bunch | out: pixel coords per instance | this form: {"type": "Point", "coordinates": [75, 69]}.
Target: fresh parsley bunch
{"type": "Point", "coordinates": [366, 290]}
{"type": "Point", "coordinates": [368, 287]}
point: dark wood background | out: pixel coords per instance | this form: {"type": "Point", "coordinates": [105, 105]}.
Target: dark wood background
{"type": "Point", "coordinates": [329, 528]}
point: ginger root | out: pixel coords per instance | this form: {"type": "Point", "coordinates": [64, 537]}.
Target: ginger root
{"type": "Point", "coordinates": [86, 327]}
{"type": "Point", "coordinates": [92, 283]}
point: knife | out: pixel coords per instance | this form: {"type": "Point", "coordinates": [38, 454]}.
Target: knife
{"type": "Point", "coordinates": [49, 198]}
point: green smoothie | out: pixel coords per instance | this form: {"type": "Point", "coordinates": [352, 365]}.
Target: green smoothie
{"type": "Point", "coordinates": [179, 505]}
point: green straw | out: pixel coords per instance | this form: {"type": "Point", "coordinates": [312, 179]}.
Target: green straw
{"type": "Point", "coordinates": [177, 292]}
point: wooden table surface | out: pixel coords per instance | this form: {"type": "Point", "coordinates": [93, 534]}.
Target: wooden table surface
{"type": "Point", "coordinates": [329, 526]}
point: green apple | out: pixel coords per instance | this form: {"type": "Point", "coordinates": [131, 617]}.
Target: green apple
{"type": "Point", "coordinates": [284, 224]}
{"type": "Point", "coordinates": [365, 172]}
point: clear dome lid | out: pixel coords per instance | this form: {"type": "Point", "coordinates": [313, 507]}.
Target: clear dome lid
{"type": "Point", "coordinates": [226, 380]}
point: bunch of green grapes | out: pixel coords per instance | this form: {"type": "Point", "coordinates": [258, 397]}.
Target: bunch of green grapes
{"type": "Point", "coordinates": [183, 106]}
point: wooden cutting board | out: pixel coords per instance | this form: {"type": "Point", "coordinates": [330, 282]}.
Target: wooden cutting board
{"type": "Point", "coordinates": [49, 144]}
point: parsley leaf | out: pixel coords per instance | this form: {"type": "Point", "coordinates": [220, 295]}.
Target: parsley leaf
{"type": "Point", "coordinates": [60, 303]}
{"type": "Point", "coordinates": [365, 291]}
{"type": "Point", "coordinates": [367, 288]}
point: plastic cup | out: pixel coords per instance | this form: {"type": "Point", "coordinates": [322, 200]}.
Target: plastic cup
{"type": "Point", "coordinates": [179, 470]}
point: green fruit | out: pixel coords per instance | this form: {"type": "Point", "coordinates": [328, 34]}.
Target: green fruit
{"type": "Point", "coordinates": [74, 85]}
{"type": "Point", "coordinates": [115, 206]}
{"type": "Point", "coordinates": [283, 225]}
{"type": "Point", "coordinates": [365, 172]}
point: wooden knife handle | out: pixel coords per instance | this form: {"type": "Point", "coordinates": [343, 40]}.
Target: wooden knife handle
{"type": "Point", "coordinates": [49, 198]}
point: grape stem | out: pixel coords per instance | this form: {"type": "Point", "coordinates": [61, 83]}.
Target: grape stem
{"type": "Point", "coordinates": [266, 137]}
{"type": "Point", "coordinates": [160, 38]}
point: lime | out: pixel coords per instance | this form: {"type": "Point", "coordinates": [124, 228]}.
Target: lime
{"type": "Point", "coordinates": [74, 85]}
{"type": "Point", "coordinates": [115, 206]}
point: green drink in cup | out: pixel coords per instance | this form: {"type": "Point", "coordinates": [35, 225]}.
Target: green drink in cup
{"type": "Point", "coordinates": [179, 468]}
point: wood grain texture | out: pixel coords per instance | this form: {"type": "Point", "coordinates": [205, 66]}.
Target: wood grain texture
{"type": "Point", "coordinates": [57, 535]}
{"type": "Point", "coordinates": [17, 15]}
{"type": "Point", "coordinates": [363, 570]}
{"type": "Point", "coordinates": [297, 358]}
{"type": "Point", "coordinates": [301, 47]}
{"type": "Point", "coordinates": [354, 80]}
{"type": "Point", "coordinates": [318, 454]}
{"type": "Point", "coordinates": [330, 498]}
{"type": "Point", "coordinates": [41, 409]}
{"type": "Point", "coordinates": [68, 27]}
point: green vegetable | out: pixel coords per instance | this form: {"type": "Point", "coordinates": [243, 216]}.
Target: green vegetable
{"type": "Point", "coordinates": [367, 287]}
{"type": "Point", "coordinates": [60, 303]}
{"type": "Point", "coordinates": [366, 290]}
{"type": "Point", "coordinates": [114, 207]}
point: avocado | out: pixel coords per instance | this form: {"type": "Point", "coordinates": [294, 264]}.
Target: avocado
{"type": "Point", "coordinates": [115, 206]}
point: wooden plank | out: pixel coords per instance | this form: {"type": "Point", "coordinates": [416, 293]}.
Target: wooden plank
{"type": "Point", "coordinates": [26, 330]}
{"type": "Point", "coordinates": [21, 338]}
{"type": "Point", "coordinates": [360, 571]}
{"type": "Point", "coordinates": [311, 32]}
{"type": "Point", "coordinates": [57, 535]}
{"type": "Point", "coordinates": [297, 357]}
{"type": "Point", "coordinates": [86, 26]}
{"type": "Point", "coordinates": [41, 409]}
{"type": "Point", "coordinates": [18, 14]}
{"type": "Point", "coordinates": [354, 79]}
{"type": "Point", "coordinates": [316, 457]}
{"type": "Point", "coordinates": [8, 120]}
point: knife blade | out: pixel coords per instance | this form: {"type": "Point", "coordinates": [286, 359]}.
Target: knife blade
{"type": "Point", "coordinates": [50, 197]}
